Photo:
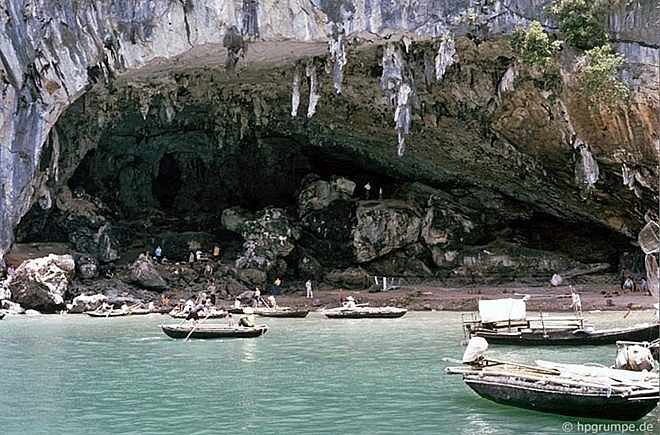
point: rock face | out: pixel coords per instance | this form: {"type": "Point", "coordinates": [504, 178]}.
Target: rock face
{"type": "Point", "coordinates": [42, 283]}
{"type": "Point", "coordinates": [126, 125]}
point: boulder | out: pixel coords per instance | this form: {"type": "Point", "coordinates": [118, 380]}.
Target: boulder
{"type": "Point", "coordinates": [144, 273]}
{"type": "Point", "coordinates": [382, 227]}
{"type": "Point", "coordinates": [252, 277]}
{"type": "Point", "coordinates": [41, 283]}
{"type": "Point", "coordinates": [87, 267]}
{"type": "Point", "coordinates": [83, 303]}
{"type": "Point", "coordinates": [269, 233]}
{"type": "Point", "coordinates": [318, 194]}
{"type": "Point", "coordinates": [352, 277]}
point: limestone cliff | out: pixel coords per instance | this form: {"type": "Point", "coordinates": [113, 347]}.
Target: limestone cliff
{"type": "Point", "coordinates": [194, 107]}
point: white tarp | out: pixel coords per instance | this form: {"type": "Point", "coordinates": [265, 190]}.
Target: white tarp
{"type": "Point", "coordinates": [502, 310]}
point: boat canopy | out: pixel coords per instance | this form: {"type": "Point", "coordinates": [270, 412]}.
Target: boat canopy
{"type": "Point", "coordinates": [502, 310]}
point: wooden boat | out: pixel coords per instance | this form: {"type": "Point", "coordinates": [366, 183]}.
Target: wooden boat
{"type": "Point", "coordinates": [567, 389]}
{"type": "Point", "coordinates": [213, 331]}
{"type": "Point", "coordinates": [364, 312]}
{"type": "Point", "coordinates": [282, 312]}
{"type": "Point", "coordinates": [108, 313]}
{"type": "Point", "coordinates": [505, 321]}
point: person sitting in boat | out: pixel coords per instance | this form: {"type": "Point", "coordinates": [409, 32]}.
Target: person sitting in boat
{"type": "Point", "coordinates": [180, 306]}
{"type": "Point", "coordinates": [272, 302]}
{"type": "Point", "coordinates": [247, 319]}
{"type": "Point", "coordinates": [104, 307]}
{"type": "Point", "coordinates": [194, 313]}
{"type": "Point", "coordinates": [350, 302]}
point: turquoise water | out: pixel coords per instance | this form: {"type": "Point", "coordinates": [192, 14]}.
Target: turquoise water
{"type": "Point", "coordinates": [80, 375]}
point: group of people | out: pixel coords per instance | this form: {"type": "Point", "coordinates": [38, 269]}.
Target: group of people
{"type": "Point", "coordinates": [628, 285]}
{"type": "Point", "coordinates": [193, 256]}
{"type": "Point", "coordinates": [246, 320]}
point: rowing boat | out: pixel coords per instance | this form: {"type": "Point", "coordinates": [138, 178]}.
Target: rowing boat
{"type": "Point", "coordinates": [210, 330]}
{"type": "Point", "coordinates": [576, 390]}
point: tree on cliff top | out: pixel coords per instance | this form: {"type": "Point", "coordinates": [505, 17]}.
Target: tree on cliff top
{"type": "Point", "coordinates": [582, 22]}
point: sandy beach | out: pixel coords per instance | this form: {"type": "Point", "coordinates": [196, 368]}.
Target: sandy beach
{"type": "Point", "coordinates": [432, 297]}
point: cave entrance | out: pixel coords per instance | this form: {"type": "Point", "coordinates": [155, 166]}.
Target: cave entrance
{"type": "Point", "coordinates": [168, 181]}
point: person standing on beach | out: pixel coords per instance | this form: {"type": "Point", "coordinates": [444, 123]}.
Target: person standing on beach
{"type": "Point", "coordinates": [276, 286]}
{"type": "Point", "coordinates": [191, 259]}
{"type": "Point", "coordinates": [576, 303]}
{"type": "Point", "coordinates": [308, 287]}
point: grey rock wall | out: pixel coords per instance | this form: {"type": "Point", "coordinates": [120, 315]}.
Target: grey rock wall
{"type": "Point", "coordinates": [52, 52]}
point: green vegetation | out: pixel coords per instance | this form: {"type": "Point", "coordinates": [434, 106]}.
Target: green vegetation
{"type": "Point", "coordinates": [601, 84]}
{"type": "Point", "coordinates": [582, 22]}
{"type": "Point", "coordinates": [537, 58]}
{"type": "Point", "coordinates": [534, 45]}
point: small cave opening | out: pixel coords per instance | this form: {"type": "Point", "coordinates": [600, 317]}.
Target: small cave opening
{"type": "Point", "coordinates": [168, 182]}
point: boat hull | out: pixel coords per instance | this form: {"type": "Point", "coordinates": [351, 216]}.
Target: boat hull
{"type": "Point", "coordinates": [372, 313]}
{"type": "Point", "coordinates": [283, 313]}
{"type": "Point", "coordinates": [567, 401]}
{"type": "Point", "coordinates": [213, 331]}
{"type": "Point", "coordinates": [648, 332]}
{"type": "Point", "coordinates": [111, 313]}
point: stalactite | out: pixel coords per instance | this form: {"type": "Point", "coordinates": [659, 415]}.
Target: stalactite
{"type": "Point", "coordinates": [392, 72]}
{"type": "Point", "coordinates": [55, 158]}
{"type": "Point", "coordinates": [313, 89]}
{"type": "Point", "coordinates": [589, 167]}
{"type": "Point", "coordinates": [338, 55]}
{"type": "Point", "coordinates": [399, 91]}
{"type": "Point", "coordinates": [250, 18]}
{"type": "Point", "coordinates": [506, 82]}
{"type": "Point", "coordinates": [403, 116]}
{"type": "Point", "coordinates": [145, 99]}
{"type": "Point", "coordinates": [295, 94]}
{"type": "Point", "coordinates": [445, 57]}
{"type": "Point", "coordinates": [236, 47]}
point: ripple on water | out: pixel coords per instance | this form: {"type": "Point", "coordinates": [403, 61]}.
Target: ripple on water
{"type": "Point", "coordinates": [312, 375]}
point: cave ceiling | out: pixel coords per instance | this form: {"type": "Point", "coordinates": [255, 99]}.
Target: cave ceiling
{"type": "Point", "coordinates": [188, 138]}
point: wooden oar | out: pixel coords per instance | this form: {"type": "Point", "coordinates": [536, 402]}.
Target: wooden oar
{"type": "Point", "coordinates": [195, 327]}
{"type": "Point", "coordinates": [265, 304]}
